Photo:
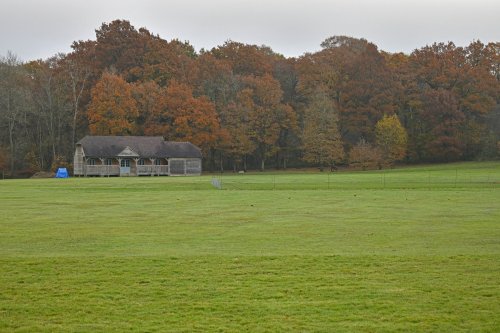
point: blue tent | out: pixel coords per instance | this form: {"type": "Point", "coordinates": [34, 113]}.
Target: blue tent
{"type": "Point", "coordinates": [62, 173]}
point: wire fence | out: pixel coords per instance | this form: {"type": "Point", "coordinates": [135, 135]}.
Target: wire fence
{"type": "Point", "coordinates": [374, 180]}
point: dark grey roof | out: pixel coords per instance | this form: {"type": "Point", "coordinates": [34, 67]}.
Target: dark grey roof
{"type": "Point", "coordinates": [182, 149]}
{"type": "Point", "coordinates": [144, 146]}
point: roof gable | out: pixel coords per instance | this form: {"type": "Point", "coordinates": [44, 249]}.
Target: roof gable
{"type": "Point", "coordinates": [127, 152]}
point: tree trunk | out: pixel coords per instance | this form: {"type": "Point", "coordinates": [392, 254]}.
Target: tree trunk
{"type": "Point", "coordinates": [12, 148]}
{"type": "Point", "coordinates": [221, 162]}
{"type": "Point", "coordinates": [73, 131]}
{"type": "Point", "coordinates": [211, 161]}
{"type": "Point", "coordinates": [11, 124]}
{"type": "Point", "coordinates": [76, 102]}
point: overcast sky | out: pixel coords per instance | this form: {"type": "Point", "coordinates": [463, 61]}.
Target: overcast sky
{"type": "Point", "coordinates": [35, 29]}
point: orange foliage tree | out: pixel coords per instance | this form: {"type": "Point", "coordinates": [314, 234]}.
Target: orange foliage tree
{"type": "Point", "coordinates": [113, 109]}
{"type": "Point", "coordinates": [153, 117]}
{"type": "Point", "coordinates": [193, 119]}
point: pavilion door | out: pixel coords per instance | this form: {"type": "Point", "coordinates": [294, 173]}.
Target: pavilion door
{"type": "Point", "coordinates": [125, 167]}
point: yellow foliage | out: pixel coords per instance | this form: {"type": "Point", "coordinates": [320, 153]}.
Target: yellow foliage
{"type": "Point", "coordinates": [391, 139]}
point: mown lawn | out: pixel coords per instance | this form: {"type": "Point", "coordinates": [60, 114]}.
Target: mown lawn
{"type": "Point", "coordinates": [413, 249]}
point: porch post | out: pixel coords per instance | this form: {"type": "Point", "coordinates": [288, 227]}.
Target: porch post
{"type": "Point", "coordinates": [153, 166]}
{"type": "Point", "coordinates": [136, 171]}
{"type": "Point", "coordinates": [102, 168]}
{"type": "Point", "coordinates": [119, 167]}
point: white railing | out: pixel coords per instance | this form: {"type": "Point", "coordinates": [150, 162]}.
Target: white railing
{"type": "Point", "coordinates": [152, 170]}
{"type": "Point", "coordinates": [102, 170]}
{"type": "Point", "coordinates": [114, 170]}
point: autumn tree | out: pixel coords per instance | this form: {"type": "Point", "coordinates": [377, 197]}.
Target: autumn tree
{"type": "Point", "coordinates": [264, 129]}
{"type": "Point", "coordinates": [321, 138]}
{"type": "Point", "coordinates": [153, 118]}
{"type": "Point", "coordinates": [365, 155]}
{"type": "Point", "coordinates": [224, 75]}
{"type": "Point", "coordinates": [441, 119]}
{"type": "Point", "coordinates": [368, 94]}
{"type": "Point", "coordinates": [164, 61]}
{"type": "Point", "coordinates": [120, 49]}
{"type": "Point", "coordinates": [53, 109]}
{"type": "Point", "coordinates": [478, 93]}
{"type": "Point", "coordinates": [15, 102]}
{"type": "Point", "coordinates": [246, 59]}
{"type": "Point", "coordinates": [289, 141]}
{"type": "Point", "coordinates": [356, 77]}
{"type": "Point", "coordinates": [355, 45]}
{"type": "Point", "coordinates": [173, 112]}
{"type": "Point", "coordinates": [391, 139]}
{"type": "Point", "coordinates": [113, 109]}
{"type": "Point", "coordinates": [238, 144]}
{"type": "Point", "coordinates": [463, 83]}
{"type": "Point", "coordinates": [216, 80]}
{"type": "Point", "coordinates": [77, 68]}
{"type": "Point", "coordinates": [4, 160]}
{"type": "Point", "coordinates": [285, 72]}
{"type": "Point", "coordinates": [267, 115]}
{"type": "Point", "coordinates": [193, 119]}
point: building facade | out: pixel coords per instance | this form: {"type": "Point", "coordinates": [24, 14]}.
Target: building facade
{"type": "Point", "coordinates": [135, 156]}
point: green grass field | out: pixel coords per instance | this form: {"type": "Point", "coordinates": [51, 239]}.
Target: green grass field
{"type": "Point", "coordinates": [409, 250]}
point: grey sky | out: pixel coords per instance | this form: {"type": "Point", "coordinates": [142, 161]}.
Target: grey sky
{"type": "Point", "coordinates": [40, 28]}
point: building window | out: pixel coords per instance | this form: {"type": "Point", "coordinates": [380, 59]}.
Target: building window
{"type": "Point", "coordinates": [125, 163]}
{"type": "Point", "coordinates": [108, 161]}
{"type": "Point", "coordinates": [140, 162]}
{"type": "Point", "coordinates": [157, 161]}
{"type": "Point", "coordinates": [91, 161]}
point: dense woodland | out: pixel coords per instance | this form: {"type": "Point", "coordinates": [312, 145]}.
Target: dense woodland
{"type": "Point", "coordinates": [248, 107]}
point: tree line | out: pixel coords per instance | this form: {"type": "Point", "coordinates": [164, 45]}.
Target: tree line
{"type": "Point", "coordinates": [246, 106]}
